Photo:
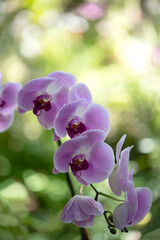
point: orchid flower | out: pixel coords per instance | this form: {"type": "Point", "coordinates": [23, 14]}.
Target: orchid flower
{"type": "Point", "coordinates": [8, 103]}
{"type": "Point", "coordinates": [137, 204]}
{"type": "Point", "coordinates": [81, 210]}
{"type": "Point", "coordinates": [80, 114]}
{"type": "Point", "coordinates": [46, 96]}
{"type": "Point", "coordinates": [90, 159]}
{"type": "Point", "coordinates": [120, 176]}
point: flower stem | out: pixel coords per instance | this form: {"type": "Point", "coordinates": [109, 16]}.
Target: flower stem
{"type": "Point", "coordinates": [84, 232]}
{"type": "Point", "coordinates": [105, 195]}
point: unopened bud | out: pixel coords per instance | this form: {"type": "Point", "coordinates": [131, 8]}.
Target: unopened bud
{"type": "Point", "coordinates": [126, 229]}
{"type": "Point", "coordinates": [113, 230]}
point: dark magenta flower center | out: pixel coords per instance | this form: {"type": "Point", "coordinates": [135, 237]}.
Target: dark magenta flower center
{"type": "Point", "coordinates": [78, 164]}
{"type": "Point", "coordinates": [2, 103]}
{"type": "Point", "coordinates": [42, 102]}
{"type": "Point", "coordinates": [75, 127]}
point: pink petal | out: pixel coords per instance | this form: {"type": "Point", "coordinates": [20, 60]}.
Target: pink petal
{"type": "Point", "coordinates": [21, 110]}
{"type": "Point", "coordinates": [85, 223]}
{"type": "Point", "coordinates": [123, 168]}
{"type": "Point", "coordinates": [9, 95]}
{"type": "Point", "coordinates": [62, 78]}
{"type": "Point", "coordinates": [55, 137]}
{"type": "Point", "coordinates": [66, 114]}
{"type": "Point", "coordinates": [131, 174]}
{"type": "Point", "coordinates": [81, 91]}
{"type": "Point", "coordinates": [46, 119]}
{"type": "Point", "coordinates": [119, 147]}
{"type": "Point", "coordinates": [101, 163]}
{"type": "Point", "coordinates": [30, 91]}
{"type": "Point", "coordinates": [144, 197]}
{"type": "Point", "coordinates": [120, 216]}
{"type": "Point", "coordinates": [132, 203]}
{"type": "Point", "coordinates": [0, 78]}
{"type": "Point", "coordinates": [67, 215]}
{"type": "Point", "coordinates": [90, 206]}
{"type": "Point", "coordinates": [114, 182]}
{"type": "Point", "coordinates": [93, 137]}
{"type": "Point", "coordinates": [65, 153]}
{"type": "Point", "coordinates": [55, 171]}
{"type": "Point", "coordinates": [81, 181]}
{"type": "Point", "coordinates": [97, 117]}
{"type": "Point", "coordinates": [61, 97]}
{"type": "Point", "coordinates": [5, 122]}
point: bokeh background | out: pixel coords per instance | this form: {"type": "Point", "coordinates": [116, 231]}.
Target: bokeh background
{"type": "Point", "coordinates": [112, 46]}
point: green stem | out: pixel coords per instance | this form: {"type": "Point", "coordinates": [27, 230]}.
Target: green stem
{"type": "Point", "coordinates": [113, 198]}
{"type": "Point", "coordinates": [105, 195]}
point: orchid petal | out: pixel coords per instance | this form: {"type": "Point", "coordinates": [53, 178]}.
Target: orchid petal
{"type": "Point", "coordinates": [30, 91]}
{"type": "Point", "coordinates": [67, 216]}
{"type": "Point", "coordinates": [81, 91]}
{"type": "Point", "coordinates": [120, 216]}
{"type": "Point", "coordinates": [55, 137]}
{"type": "Point", "coordinates": [119, 147]}
{"type": "Point", "coordinates": [101, 163]}
{"type": "Point", "coordinates": [144, 197]}
{"type": "Point", "coordinates": [94, 136]}
{"type": "Point", "coordinates": [131, 175]}
{"type": "Point", "coordinates": [91, 207]}
{"type": "Point", "coordinates": [60, 79]}
{"type": "Point", "coordinates": [97, 117]}
{"type": "Point", "coordinates": [0, 78]}
{"type": "Point", "coordinates": [123, 168]}
{"type": "Point", "coordinates": [64, 116]}
{"type": "Point", "coordinates": [85, 223]}
{"type": "Point", "coordinates": [132, 203]}
{"type": "Point", "coordinates": [46, 119]}
{"type": "Point", "coordinates": [9, 95]}
{"type": "Point", "coordinates": [114, 182]}
{"type": "Point", "coordinates": [61, 97]}
{"type": "Point", "coordinates": [55, 171]}
{"type": "Point", "coordinates": [6, 121]}
{"type": "Point", "coordinates": [65, 153]}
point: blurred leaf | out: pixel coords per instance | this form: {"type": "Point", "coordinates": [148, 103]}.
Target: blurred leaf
{"type": "Point", "coordinates": [152, 235]}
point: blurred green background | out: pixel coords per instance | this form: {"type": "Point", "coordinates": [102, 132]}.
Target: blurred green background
{"type": "Point", "coordinates": [112, 46]}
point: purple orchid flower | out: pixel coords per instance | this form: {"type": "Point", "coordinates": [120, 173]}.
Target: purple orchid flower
{"type": "Point", "coordinates": [81, 210]}
{"type": "Point", "coordinates": [8, 103]}
{"type": "Point", "coordinates": [120, 176]}
{"type": "Point", "coordinates": [81, 114]}
{"type": "Point", "coordinates": [91, 160]}
{"type": "Point", "coordinates": [137, 204]}
{"type": "Point", "coordinates": [46, 96]}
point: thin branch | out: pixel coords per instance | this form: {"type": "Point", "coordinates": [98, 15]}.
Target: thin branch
{"type": "Point", "coordinates": [105, 195]}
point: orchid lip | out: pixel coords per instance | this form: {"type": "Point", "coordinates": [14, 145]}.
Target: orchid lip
{"type": "Point", "coordinates": [78, 164]}
{"type": "Point", "coordinates": [42, 102]}
{"type": "Point", "coordinates": [2, 103]}
{"type": "Point", "coordinates": [75, 127]}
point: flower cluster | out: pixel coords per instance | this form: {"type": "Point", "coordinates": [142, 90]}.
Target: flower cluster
{"type": "Point", "coordinates": [8, 103]}
{"type": "Point", "coordinates": [61, 104]}
{"type": "Point", "coordinates": [137, 200]}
